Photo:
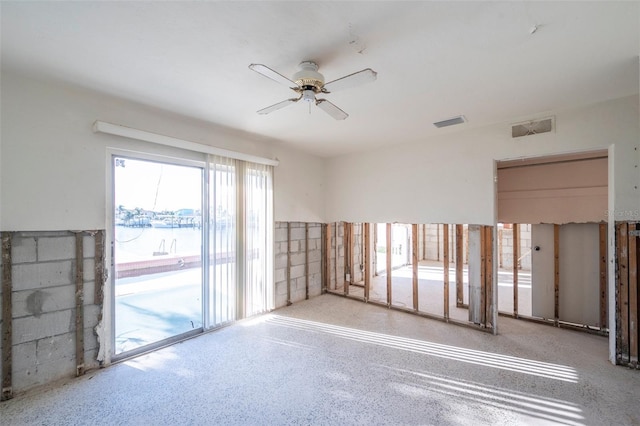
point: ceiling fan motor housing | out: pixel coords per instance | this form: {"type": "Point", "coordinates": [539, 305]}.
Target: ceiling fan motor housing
{"type": "Point", "coordinates": [308, 78]}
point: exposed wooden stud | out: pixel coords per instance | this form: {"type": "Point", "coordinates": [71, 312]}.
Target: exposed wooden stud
{"type": "Point", "coordinates": [516, 269]}
{"type": "Point", "coordinates": [556, 274]}
{"type": "Point", "coordinates": [389, 273]}
{"type": "Point", "coordinates": [328, 249]}
{"type": "Point", "coordinates": [466, 243]}
{"type": "Point", "coordinates": [352, 239]}
{"type": "Point", "coordinates": [483, 279]}
{"type": "Point", "coordinates": [459, 266]}
{"type": "Point", "coordinates": [367, 260]}
{"type": "Point", "coordinates": [500, 247]}
{"type": "Point", "coordinates": [414, 261]}
{"type": "Point", "coordinates": [424, 241]}
{"type": "Point", "coordinates": [438, 242]}
{"type": "Point", "coordinates": [488, 276]}
{"type": "Point", "coordinates": [623, 292]}
{"type": "Point", "coordinates": [306, 260]}
{"type": "Point", "coordinates": [603, 276]}
{"type": "Point", "coordinates": [445, 258]}
{"type": "Point", "coordinates": [288, 263]}
{"type": "Point", "coordinates": [323, 257]}
{"type": "Point", "coordinates": [99, 268]}
{"type": "Point", "coordinates": [79, 304]}
{"type": "Point", "coordinates": [633, 294]}
{"type": "Point", "coordinates": [347, 257]}
{"type": "Point", "coordinates": [7, 319]}
{"type": "Point", "coordinates": [335, 263]}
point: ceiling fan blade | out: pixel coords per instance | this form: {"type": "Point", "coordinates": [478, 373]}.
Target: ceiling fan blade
{"type": "Point", "coordinates": [351, 80]}
{"type": "Point", "coordinates": [278, 106]}
{"type": "Point", "coordinates": [273, 75]}
{"type": "Point", "coordinates": [331, 109]}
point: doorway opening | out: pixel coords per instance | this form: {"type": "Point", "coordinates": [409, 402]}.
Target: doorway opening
{"type": "Point", "coordinates": [552, 239]}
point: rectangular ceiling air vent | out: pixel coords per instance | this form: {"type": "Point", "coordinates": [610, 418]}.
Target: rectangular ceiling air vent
{"type": "Point", "coordinates": [533, 127]}
{"type": "Point", "coordinates": [450, 121]}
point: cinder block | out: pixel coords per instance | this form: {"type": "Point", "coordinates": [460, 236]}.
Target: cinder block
{"type": "Point", "coordinates": [315, 232]}
{"type": "Point", "coordinates": [56, 248]}
{"type": "Point", "coordinates": [299, 296]}
{"type": "Point", "coordinates": [297, 271]}
{"type": "Point", "coordinates": [315, 256]}
{"type": "Point", "coordinates": [88, 246]}
{"type": "Point", "coordinates": [297, 234]}
{"type": "Point", "coordinates": [88, 270]}
{"type": "Point", "coordinates": [301, 283]}
{"type": "Point", "coordinates": [56, 369]}
{"type": "Point", "coordinates": [24, 366]}
{"type": "Point", "coordinates": [41, 275]}
{"type": "Point", "coordinates": [280, 275]}
{"type": "Point", "coordinates": [281, 288]}
{"type": "Point", "coordinates": [38, 302]}
{"type": "Point", "coordinates": [282, 248]}
{"type": "Point", "coordinates": [90, 339]}
{"type": "Point", "coordinates": [89, 292]}
{"type": "Point", "coordinates": [91, 314]}
{"type": "Point", "coordinates": [315, 267]}
{"type": "Point", "coordinates": [55, 348]}
{"type": "Point", "coordinates": [280, 300]}
{"type": "Point", "coordinates": [23, 250]}
{"type": "Point", "coordinates": [280, 234]}
{"type": "Point", "coordinates": [90, 358]}
{"type": "Point", "coordinates": [295, 246]}
{"type": "Point", "coordinates": [27, 329]}
{"type": "Point", "coordinates": [280, 261]}
{"type": "Point", "coordinates": [298, 259]}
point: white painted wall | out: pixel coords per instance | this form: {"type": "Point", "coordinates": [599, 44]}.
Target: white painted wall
{"type": "Point", "coordinates": [449, 179]}
{"type": "Point", "coordinates": [53, 167]}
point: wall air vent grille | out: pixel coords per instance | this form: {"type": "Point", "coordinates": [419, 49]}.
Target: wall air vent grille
{"type": "Point", "coordinates": [450, 121]}
{"type": "Point", "coordinates": [533, 127]}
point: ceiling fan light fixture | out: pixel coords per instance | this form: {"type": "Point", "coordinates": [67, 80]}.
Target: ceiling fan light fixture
{"type": "Point", "coordinates": [309, 77]}
{"type": "Point", "coordinates": [308, 82]}
{"type": "Point", "coordinates": [309, 96]}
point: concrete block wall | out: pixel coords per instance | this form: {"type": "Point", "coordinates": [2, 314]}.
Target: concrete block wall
{"type": "Point", "coordinates": [298, 256]}
{"type": "Point", "coordinates": [43, 292]}
{"type": "Point", "coordinates": [337, 270]}
{"type": "Point", "coordinates": [358, 255]}
{"type": "Point", "coordinates": [435, 242]}
{"type": "Point", "coordinates": [505, 248]}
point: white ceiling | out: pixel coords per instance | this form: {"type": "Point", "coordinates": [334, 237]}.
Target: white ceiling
{"type": "Point", "coordinates": [434, 60]}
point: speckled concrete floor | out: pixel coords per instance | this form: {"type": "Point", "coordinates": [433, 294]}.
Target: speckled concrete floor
{"type": "Point", "coordinates": [335, 361]}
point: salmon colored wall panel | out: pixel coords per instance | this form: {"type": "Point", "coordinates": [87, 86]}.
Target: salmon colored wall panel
{"type": "Point", "coordinates": [554, 193]}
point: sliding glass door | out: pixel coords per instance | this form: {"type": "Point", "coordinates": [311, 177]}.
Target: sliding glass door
{"type": "Point", "coordinates": [180, 268]}
{"type": "Point", "coordinates": [156, 252]}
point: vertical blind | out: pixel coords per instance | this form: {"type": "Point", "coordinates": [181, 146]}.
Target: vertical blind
{"type": "Point", "coordinates": [240, 239]}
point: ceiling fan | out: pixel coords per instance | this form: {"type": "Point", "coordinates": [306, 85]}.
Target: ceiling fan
{"type": "Point", "coordinates": [308, 83]}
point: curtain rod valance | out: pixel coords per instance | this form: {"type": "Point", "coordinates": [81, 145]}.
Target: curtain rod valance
{"type": "Point", "coordinates": [129, 132]}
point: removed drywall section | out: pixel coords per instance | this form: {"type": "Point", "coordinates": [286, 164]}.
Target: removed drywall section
{"type": "Point", "coordinates": [44, 314]}
{"type": "Point", "coordinates": [298, 261]}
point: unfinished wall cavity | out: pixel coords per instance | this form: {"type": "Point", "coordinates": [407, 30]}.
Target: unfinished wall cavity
{"type": "Point", "coordinates": [395, 275]}
{"type": "Point", "coordinates": [298, 261]}
{"type": "Point", "coordinates": [54, 305]}
{"type": "Point", "coordinates": [627, 293]}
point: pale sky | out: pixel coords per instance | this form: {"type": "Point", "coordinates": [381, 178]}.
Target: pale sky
{"type": "Point", "coordinates": [138, 182]}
